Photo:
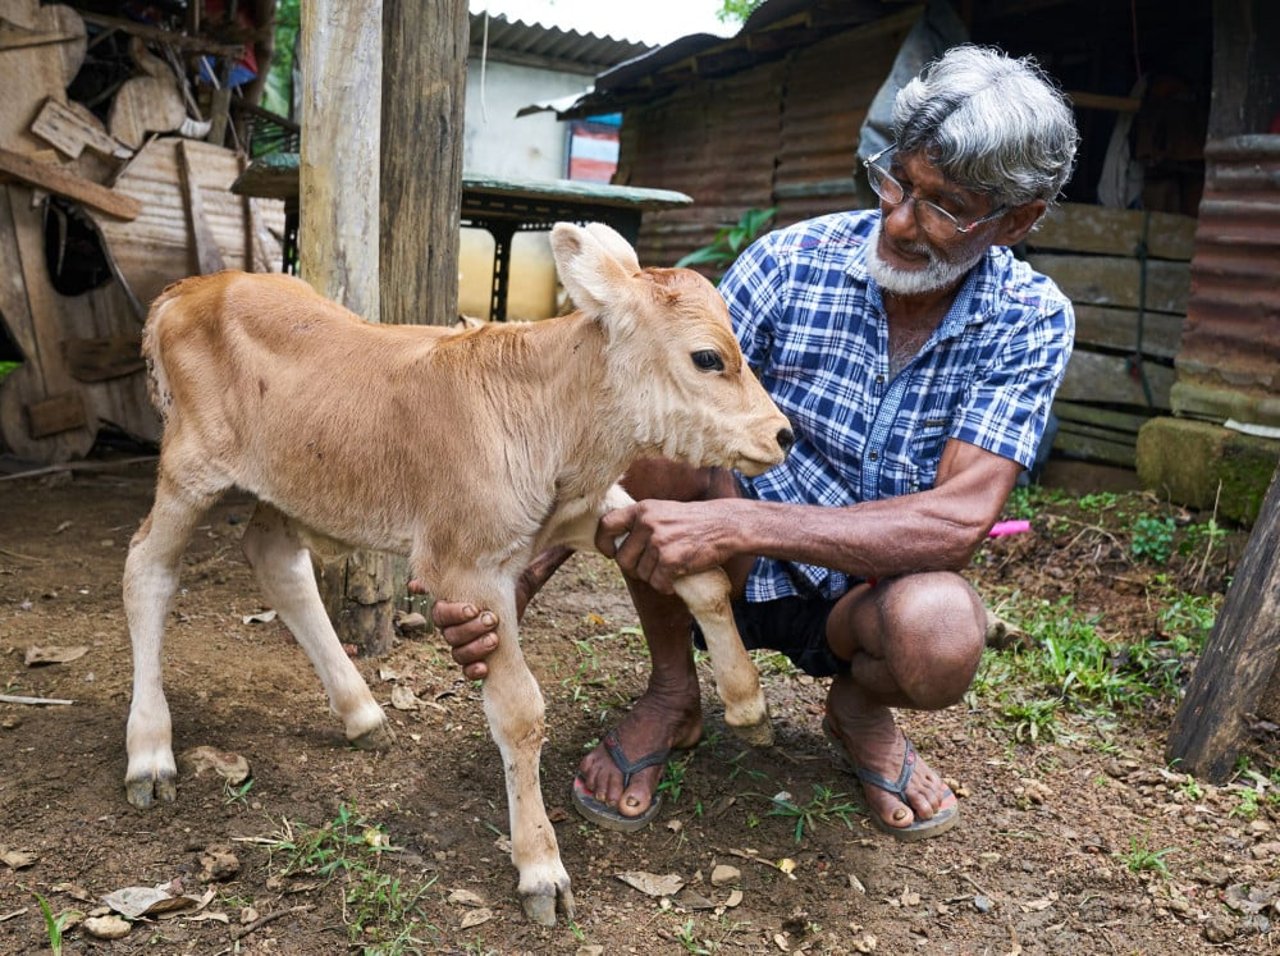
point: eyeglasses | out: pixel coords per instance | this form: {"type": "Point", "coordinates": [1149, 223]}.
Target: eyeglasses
{"type": "Point", "coordinates": [939, 224]}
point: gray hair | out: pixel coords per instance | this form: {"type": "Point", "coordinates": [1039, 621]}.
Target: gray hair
{"type": "Point", "coordinates": [990, 123]}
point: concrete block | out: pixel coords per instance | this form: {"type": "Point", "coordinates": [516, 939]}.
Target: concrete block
{"type": "Point", "coordinates": [1189, 461]}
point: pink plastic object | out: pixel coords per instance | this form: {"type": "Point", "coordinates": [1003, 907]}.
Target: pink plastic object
{"type": "Point", "coordinates": [1000, 529]}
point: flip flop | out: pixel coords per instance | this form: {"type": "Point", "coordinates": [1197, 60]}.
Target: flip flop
{"type": "Point", "coordinates": [946, 816]}
{"type": "Point", "coordinates": [603, 815]}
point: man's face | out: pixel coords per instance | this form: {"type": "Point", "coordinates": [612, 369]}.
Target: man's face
{"type": "Point", "coordinates": [904, 258]}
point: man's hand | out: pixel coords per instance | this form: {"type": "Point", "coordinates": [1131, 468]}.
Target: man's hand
{"type": "Point", "coordinates": [472, 635]}
{"type": "Point", "coordinates": [668, 540]}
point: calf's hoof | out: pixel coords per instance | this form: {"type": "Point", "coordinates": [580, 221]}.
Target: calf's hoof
{"type": "Point", "coordinates": [143, 792]}
{"type": "Point", "coordinates": [540, 906]}
{"type": "Point", "coordinates": [758, 734]}
{"type": "Point", "coordinates": [379, 737]}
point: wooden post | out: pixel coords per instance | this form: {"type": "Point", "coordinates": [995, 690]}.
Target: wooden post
{"type": "Point", "coordinates": [341, 58]}
{"type": "Point", "coordinates": [424, 45]}
{"type": "Point", "coordinates": [1231, 682]}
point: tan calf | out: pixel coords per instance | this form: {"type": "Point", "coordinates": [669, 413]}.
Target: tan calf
{"type": "Point", "coordinates": [468, 450]}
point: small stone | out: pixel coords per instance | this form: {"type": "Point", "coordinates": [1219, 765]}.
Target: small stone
{"type": "Point", "coordinates": [982, 903]}
{"type": "Point", "coordinates": [248, 915]}
{"type": "Point", "coordinates": [1219, 929]}
{"type": "Point", "coordinates": [724, 874]}
{"type": "Point", "coordinates": [1264, 851]}
{"type": "Point", "coordinates": [11, 723]}
{"type": "Point", "coordinates": [589, 951]}
{"type": "Point", "coordinates": [218, 863]}
{"type": "Point", "coordinates": [106, 927]}
{"type": "Point", "coordinates": [1260, 827]}
{"type": "Point", "coordinates": [414, 624]}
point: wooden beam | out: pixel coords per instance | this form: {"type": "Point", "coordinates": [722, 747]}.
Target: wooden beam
{"type": "Point", "coordinates": [1239, 660]}
{"type": "Point", "coordinates": [204, 245]}
{"type": "Point", "coordinates": [66, 183]}
{"type": "Point", "coordinates": [1114, 281]}
{"type": "Point", "coordinates": [56, 414]}
{"type": "Point", "coordinates": [102, 359]}
{"type": "Point", "coordinates": [1080, 227]}
{"type": "Point", "coordinates": [1101, 101]}
{"type": "Point", "coordinates": [179, 40]}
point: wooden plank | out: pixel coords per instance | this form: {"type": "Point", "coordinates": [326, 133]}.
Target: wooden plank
{"type": "Point", "coordinates": [1079, 227]}
{"type": "Point", "coordinates": [1239, 660]}
{"type": "Point", "coordinates": [1095, 377]}
{"type": "Point", "coordinates": [155, 249]}
{"type": "Point", "coordinates": [71, 127]}
{"type": "Point", "coordinates": [102, 359]}
{"type": "Point", "coordinates": [1103, 101]}
{"type": "Point", "coordinates": [179, 41]}
{"type": "Point", "coordinates": [1127, 422]}
{"type": "Point", "coordinates": [1094, 448]}
{"type": "Point", "coordinates": [56, 414]}
{"type": "Point", "coordinates": [31, 74]}
{"type": "Point", "coordinates": [1101, 327]}
{"type": "Point", "coordinates": [205, 246]}
{"type": "Point", "coordinates": [1113, 281]}
{"type": "Point", "coordinates": [64, 183]}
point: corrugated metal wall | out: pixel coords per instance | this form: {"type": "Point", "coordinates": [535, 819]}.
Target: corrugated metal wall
{"type": "Point", "coordinates": [782, 133]}
{"type": "Point", "coordinates": [1232, 334]}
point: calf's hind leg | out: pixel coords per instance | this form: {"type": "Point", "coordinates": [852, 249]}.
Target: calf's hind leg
{"type": "Point", "coordinates": [150, 579]}
{"type": "Point", "coordinates": [283, 564]}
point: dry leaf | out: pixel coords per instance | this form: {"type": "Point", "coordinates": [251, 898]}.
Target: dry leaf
{"type": "Point", "coordinates": [402, 698]}
{"type": "Point", "coordinates": [650, 884]}
{"type": "Point", "coordinates": [38, 656]}
{"type": "Point", "coordinates": [466, 898]}
{"type": "Point", "coordinates": [476, 917]}
{"type": "Point", "coordinates": [136, 901]}
{"type": "Point", "coordinates": [17, 859]}
{"type": "Point", "coordinates": [231, 767]}
{"type": "Point", "coordinates": [262, 617]}
{"type": "Point", "coordinates": [106, 927]}
{"type": "Point", "coordinates": [787, 866]}
{"type": "Point", "coordinates": [735, 897]}
{"type": "Point", "coordinates": [215, 917]}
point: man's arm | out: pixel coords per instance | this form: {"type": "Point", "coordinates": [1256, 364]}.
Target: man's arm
{"type": "Point", "coordinates": [938, 529]}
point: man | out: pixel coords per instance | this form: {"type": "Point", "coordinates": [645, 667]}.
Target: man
{"type": "Point", "coordinates": [917, 361]}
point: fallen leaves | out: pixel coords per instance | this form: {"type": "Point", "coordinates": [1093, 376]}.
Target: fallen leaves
{"type": "Point", "coordinates": [651, 884]}
{"type": "Point", "coordinates": [231, 767]}
{"type": "Point", "coordinates": [17, 859]}
{"type": "Point", "coordinates": [37, 656]}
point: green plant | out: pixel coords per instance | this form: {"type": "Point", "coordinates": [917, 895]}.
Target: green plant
{"type": "Point", "coordinates": [736, 11]}
{"type": "Point", "coordinates": [730, 240]}
{"type": "Point", "coordinates": [1142, 859]}
{"type": "Point", "coordinates": [1151, 538]}
{"type": "Point", "coordinates": [382, 913]}
{"type": "Point", "coordinates": [1247, 807]}
{"type": "Point", "coordinates": [672, 783]}
{"type": "Point", "coordinates": [1033, 719]}
{"type": "Point", "coordinates": [825, 807]}
{"type": "Point", "coordinates": [8, 368]}
{"type": "Point", "coordinates": [685, 937]}
{"type": "Point", "coordinates": [52, 925]}
{"type": "Point", "coordinates": [233, 794]}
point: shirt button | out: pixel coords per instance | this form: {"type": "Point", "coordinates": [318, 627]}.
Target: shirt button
{"type": "Point", "coordinates": [879, 379]}
{"type": "Point", "coordinates": [874, 456]}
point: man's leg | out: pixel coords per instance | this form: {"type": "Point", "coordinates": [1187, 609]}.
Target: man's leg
{"type": "Point", "coordinates": [915, 642]}
{"type": "Point", "coordinates": [669, 713]}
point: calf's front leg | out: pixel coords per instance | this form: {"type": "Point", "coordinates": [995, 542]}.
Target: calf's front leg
{"type": "Point", "coordinates": [513, 705]}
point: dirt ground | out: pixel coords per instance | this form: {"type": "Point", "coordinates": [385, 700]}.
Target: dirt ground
{"type": "Point", "coordinates": [1037, 865]}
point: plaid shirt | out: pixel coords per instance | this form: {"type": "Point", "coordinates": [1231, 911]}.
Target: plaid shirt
{"type": "Point", "coordinates": [812, 324]}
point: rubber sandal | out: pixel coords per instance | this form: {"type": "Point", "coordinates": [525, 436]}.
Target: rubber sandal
{"type": "Point", "coordinates": [943, 819]}
{"type": "Point", "coordinates": [610, 818]}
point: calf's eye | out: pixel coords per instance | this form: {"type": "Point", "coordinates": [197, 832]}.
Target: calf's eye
{"type": "Point", "coordinates": [708, 360]}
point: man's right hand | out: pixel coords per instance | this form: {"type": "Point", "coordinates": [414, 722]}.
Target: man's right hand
{"type": "Point", "coordinates": [471, 634]}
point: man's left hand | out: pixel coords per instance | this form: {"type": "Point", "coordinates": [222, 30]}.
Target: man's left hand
{"type": "Point", "coordinates": [666, 540]}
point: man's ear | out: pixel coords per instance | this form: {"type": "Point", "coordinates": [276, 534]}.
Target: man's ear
{"type": "Point", "coordinates": [1019, 221]}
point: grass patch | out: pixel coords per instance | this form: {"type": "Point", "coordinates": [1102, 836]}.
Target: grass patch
{"type": "Point", "coordinates": [380, 910]}
{"type": "Point", "coordinates": [1142, 859]}
{"type": "Point", "coordinates": [827, 806]}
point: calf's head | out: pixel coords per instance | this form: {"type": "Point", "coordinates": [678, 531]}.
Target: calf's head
{"type": "Point", "coordinates": [675, 371]}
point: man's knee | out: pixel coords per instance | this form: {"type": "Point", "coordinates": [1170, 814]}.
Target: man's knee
{"type": "Point", "coordinates": [935, 628]}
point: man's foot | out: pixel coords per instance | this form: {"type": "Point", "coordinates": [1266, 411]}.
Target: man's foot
{"type": "Point", "coordinates": [872, 743]}
{"type": "Point", "coordinates": [659, 721]}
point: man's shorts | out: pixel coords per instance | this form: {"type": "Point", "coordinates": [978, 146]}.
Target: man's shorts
{"type": "Point", "coordinates": [793, 626]}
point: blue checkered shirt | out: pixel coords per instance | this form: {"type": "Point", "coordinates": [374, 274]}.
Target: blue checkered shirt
{"type": "Point", "coordinates": [812, 324]}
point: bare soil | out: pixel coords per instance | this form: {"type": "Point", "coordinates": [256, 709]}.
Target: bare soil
{"type": "Point", "coordinates": [1039, 863]}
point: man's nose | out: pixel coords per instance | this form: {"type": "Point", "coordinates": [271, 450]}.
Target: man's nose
{"type": "Point", "coordinates": [900, 220]}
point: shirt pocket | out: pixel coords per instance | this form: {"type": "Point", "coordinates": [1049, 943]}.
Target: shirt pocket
{"type": "Point", "coordinates": [924, 450]}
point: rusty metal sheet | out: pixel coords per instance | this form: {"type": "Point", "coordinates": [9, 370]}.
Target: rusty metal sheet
{"type": "Point", "coordinates": [1232, 335]}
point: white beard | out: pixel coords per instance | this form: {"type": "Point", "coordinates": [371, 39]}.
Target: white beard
{"type": "Point", "coordinates": [938, 274]}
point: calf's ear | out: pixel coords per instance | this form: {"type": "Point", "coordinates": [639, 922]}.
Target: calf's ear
{"type": "Point", "coordinates": [596, 265]}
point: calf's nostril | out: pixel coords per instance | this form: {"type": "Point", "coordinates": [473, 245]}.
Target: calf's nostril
{"type": "Point", "coordinates": [786, 439]}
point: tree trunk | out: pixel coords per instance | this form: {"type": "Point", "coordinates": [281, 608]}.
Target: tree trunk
{"type": "Point", "coordinates": [1237, 670]}
{"type": "Point", "coordinates": [341, 59]}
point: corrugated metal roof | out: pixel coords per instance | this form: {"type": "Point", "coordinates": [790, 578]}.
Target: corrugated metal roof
{"type": "Point", "coordinates": [771, 32]}
{"type": "Point", "coordinates": [1232, 335]}
{"type": "Point", "coordinates": [533, 44]}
